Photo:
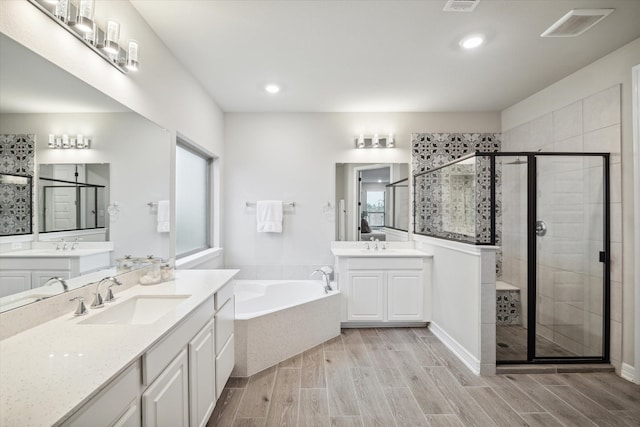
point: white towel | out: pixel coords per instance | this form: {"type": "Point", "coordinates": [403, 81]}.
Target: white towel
{"type": "Point", "coordinates": [164, 216]}
{"type": "Point", "coordinates": [269, 216]}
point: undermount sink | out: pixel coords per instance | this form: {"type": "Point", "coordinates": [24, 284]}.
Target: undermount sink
{"type": "Point", "coordinates": [138, 310]}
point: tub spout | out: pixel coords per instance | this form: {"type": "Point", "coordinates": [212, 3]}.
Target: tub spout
{"type": "Point", "coordinates": [326, 273]}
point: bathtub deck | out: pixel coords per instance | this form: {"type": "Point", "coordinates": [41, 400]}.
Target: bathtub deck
{"type": "Point", "coordinates": [407, 377]}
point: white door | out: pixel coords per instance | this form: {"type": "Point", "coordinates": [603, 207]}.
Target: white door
{"type": "Point", "coordinates": [61, 201]}
{"type": "Point", "coordinates": [365, 296]}
{"type": "Point", "coordinates": [405, 293]}
{"type": "Point", "coordinates": [166, 402]}
{"type": "Point", "coordinates": [202, 376]}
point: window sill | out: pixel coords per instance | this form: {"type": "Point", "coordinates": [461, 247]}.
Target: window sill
{"type": "Point", "coordinates": [194, 260]}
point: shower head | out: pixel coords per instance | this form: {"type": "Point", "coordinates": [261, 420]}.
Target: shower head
{"type": "Point", "coordinates": [517, 161]}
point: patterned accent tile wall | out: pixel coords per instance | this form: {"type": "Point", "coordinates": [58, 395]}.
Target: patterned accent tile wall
{"type": "Point", "coordinates": [16, 158]}
{"type": "Point", "coordinates": [431, 150]}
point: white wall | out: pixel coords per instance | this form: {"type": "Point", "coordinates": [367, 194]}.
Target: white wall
{"type": "Point", "coordinates": [292, 157]}
{"type": "Point", "coordinates": [138, 153]}
{"type": "Point", "coordinates": [610, 70]}
{"type": "Point", "coordinates": [162, 90]}
{"type": "Point", "coordinates": [463, 300]}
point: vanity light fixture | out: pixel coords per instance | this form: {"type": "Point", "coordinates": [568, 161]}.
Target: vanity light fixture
{"type": "Point", "coordinates": [391, 142]}
{"type": "Point", "coordinates": [65, 141]}
{"type": "Point", "coordinates": [132, 55]}
{"type": "Point", "coordinates": [375, 141]}
{"type": "Point", "coordinates": [110, 44]}
{"type": "Point", "coordinates": [84, 19]}
{"type": "Point", "coordinates": [79, 19]}
{"type": "Point", "coordinates": [472, 41]}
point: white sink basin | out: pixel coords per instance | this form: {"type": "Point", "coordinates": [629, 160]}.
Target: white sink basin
{"type": "Point", "coordinates": [138, 310]}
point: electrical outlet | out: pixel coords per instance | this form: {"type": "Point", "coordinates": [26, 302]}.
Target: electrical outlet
{"type": "Point", "coordinates": [16, 245]}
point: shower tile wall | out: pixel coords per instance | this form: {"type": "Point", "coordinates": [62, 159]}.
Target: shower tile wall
{"type": "Point", "coordinates": [430, 150]}
{"type": "Point", "coordinates": [17, 158]}
{"type": "Point", "coordinates": [570, 276]}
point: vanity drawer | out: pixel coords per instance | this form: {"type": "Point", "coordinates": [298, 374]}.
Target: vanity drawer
{"type": "Point", "coordinates": [223, 295]}
{"type": "Point", "coordinates": [162, 353]}
{"type": "Point", "coordinates": [224, 324]}
{"type": "Point", "coordinates": [113, 402]}
{"type": "Point", "coordinates": [224, 365]}
{"type": "Point", "coordinates": [373, 263]}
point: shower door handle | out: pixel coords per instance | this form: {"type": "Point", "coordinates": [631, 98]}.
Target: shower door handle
{"type": "Point", "coordinates": [541, 228]}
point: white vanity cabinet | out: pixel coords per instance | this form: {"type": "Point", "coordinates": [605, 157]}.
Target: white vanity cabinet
{"type": "Point", "coordinates": [202, 375]}
{"type": "Point", "coordinates": [381, 288]}
{"type": "Point", "coordinates": [177, 381]}
{"type": "Point", "coordinates": [165, 403]}
{"type": "Point", "coordinates": [30, 269]}
{"type": "Point", "coordinates": [118, 404]}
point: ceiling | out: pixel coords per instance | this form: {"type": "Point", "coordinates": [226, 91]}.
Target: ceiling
{"type": "Point", "coordinates": [379, 56]}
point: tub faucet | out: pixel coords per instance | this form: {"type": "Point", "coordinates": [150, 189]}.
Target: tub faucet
{"type": "Point", "coordinates": [63, 282]}
{"type": "Point", "coordinates": [326, 272]}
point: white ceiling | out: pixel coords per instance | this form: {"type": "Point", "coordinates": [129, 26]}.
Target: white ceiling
{"type": "Point", "coordinates": [379, 56]}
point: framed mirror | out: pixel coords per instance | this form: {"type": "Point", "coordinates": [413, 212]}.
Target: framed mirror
{"type": "Point", "coordinates": [106, 194]}
{"type": "Point", "coordinates": [372, 201]}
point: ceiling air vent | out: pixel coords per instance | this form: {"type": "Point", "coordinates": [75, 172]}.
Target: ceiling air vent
{"type": "Point", "coordinates": [460, 5]}
{"type": "Point", "coordinates": [576, 22]}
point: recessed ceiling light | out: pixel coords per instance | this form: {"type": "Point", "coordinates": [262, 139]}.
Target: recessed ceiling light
{"type": "Point", "coordinates": [472, 42]}
{"type": "Point", "coordinates": [271, 88]}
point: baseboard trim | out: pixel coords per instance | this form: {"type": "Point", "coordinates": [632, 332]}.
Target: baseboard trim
{"type": "Point", "coordinates": [628, 372]}
{"type": "Point", "coordinates": [458, 350]}
{"type": "Point", "coordinates": [347, 325]}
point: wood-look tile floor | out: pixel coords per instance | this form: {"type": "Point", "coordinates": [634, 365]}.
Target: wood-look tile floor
{"type": "Point", "coordinates": [407, 377]}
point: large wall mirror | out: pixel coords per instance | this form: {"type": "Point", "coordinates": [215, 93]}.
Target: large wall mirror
{"type": "Point", "coordinates": [106, 193]}
{"type": "Point", "coordinates": [372, 201]}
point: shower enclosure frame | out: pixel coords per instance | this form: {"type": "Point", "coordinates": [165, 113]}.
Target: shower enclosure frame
{"type": "Point", "coordinates": [532, 209]}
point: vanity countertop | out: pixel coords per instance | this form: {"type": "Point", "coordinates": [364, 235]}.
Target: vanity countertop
{"type": "Point", "coordinates": [384, 253]}
{"type": "Point", "coordinates": [51, 370]}
{"type": "Point", "coordinates": [52, 253]}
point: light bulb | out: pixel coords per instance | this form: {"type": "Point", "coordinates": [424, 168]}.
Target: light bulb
{"type": "Point", "coordinates": [84, 21]}
{"type": "Point", "coordinates": [132, 55]}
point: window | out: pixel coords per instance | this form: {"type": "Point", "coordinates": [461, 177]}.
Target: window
{"type": "Point", "coordinates": [375, 208]}
{"type": "Point", "coordinates": [193, 200]}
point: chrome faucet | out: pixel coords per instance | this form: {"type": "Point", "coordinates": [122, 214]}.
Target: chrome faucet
{"type": "Point", "coordinates": [116, 282]}
{"type": "Point", "coordinates": [97, 299]}
{"type": "Point", "coordinates": [326, 272]}
{"type": "Point", "coordinates": [63, 282]}
{"type": "Point", "coordinates": [75, 243]}
{"type": "Point", "coordinates": [376, 244]}
{"type": "Point", "coordinates": [81, 309]}
{"type": "Point", "coordinates": [63, 243]}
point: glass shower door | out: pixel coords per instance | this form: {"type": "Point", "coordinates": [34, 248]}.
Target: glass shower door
{"type": "Point", "coordinates": [571, 242]}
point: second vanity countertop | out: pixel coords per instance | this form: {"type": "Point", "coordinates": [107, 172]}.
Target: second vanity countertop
{"type": "Point", "coordinates": [50, 371]}
{"type": "Point", "coordinates": [373, 253]}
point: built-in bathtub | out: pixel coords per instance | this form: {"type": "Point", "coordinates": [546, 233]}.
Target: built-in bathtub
{"type": "Point", "coordinates": [277, 319]}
